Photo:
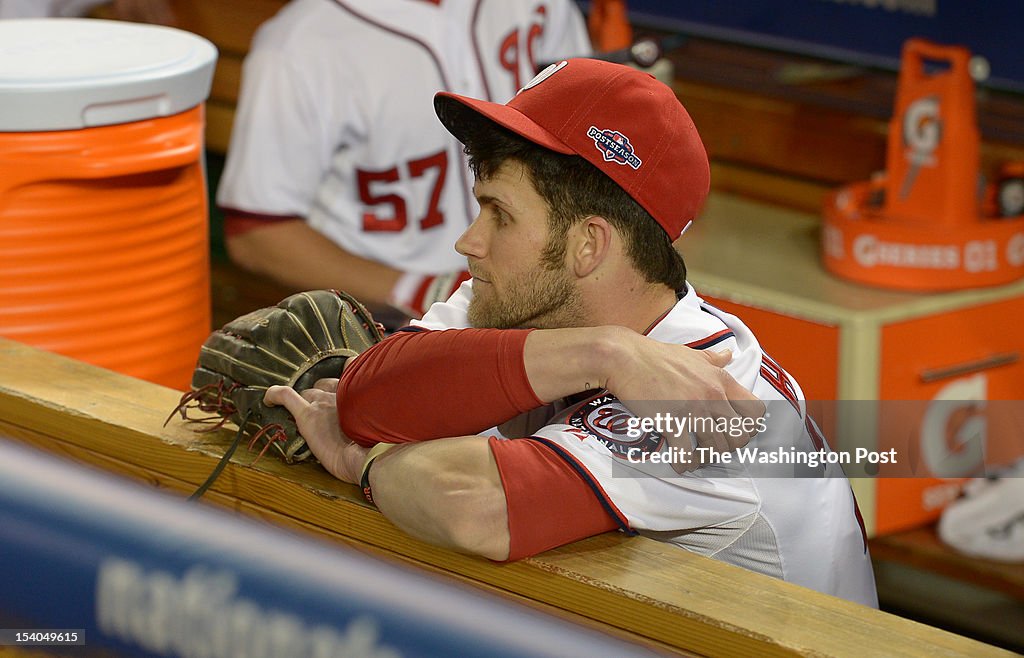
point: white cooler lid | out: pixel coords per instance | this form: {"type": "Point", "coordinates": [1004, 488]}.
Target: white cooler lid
{"type": "Point", "coordinates": [70, 73]}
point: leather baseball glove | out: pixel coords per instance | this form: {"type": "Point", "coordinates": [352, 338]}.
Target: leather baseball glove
{"type": "Point", "coordinates": [306, 337]}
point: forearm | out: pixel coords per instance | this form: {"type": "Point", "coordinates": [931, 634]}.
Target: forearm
{"type": "Point", "coordinates": [300, 257]}
{"type": "Point", "coordinates": [447, 493]}
{"type": "Point", "coordinates": [468, 493]}
{"type": "Point", "coordinates": [561, 362]}
{"type": "Point", "coordinates": [434, 384]}
{"type": "Point", "coordinates": [472, 379]}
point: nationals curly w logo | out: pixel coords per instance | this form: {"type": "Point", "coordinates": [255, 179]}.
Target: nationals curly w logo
{"type": "Point", "coordinates": [606, 419]}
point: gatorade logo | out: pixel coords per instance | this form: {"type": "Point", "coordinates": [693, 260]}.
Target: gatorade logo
{"type": "Point", "coordinates": [922, 130]}
{"type": "Point", "coordinates": [954, 429]}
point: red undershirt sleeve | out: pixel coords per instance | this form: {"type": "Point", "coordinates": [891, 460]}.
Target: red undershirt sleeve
{"type": "Point", "coordinates": [549, 503]}
{"type": "Point", "coordinates": [420, 386]}
{"type": "Point", "coordinates": [237, 222]}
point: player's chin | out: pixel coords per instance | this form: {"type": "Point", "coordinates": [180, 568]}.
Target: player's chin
{"type": "Point", "coordinates": [481, 312]}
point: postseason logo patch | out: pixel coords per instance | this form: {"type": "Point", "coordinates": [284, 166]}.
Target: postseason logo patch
{"type": "Point", "coordinates": [614, 146]}
{"type": "Point", "coordinates": [607, 420]}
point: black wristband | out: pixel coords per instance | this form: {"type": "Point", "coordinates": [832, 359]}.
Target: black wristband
{"type": "Point", "coordinates": [364, 478]}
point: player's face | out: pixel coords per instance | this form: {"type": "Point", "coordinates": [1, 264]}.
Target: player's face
{"type": "Point", "coordinates": [512, 286]}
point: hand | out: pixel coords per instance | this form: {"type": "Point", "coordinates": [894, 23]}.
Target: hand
{"type": "Point", "coordinates": [316, 415]}
{"type": "Point", "coordinates": [684, 384]}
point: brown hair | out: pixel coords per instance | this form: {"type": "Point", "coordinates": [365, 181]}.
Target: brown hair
{"type": "Point", "coordinates": [574, 189]}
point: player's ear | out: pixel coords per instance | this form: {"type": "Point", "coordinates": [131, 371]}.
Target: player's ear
{"type": "Point", "coordinates": [589, 245]}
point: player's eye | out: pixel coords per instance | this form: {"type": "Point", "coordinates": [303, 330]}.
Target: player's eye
{"type": "Point", "coordinates": [501, 218]}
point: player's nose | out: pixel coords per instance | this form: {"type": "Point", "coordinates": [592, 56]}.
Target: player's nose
{"type": "Point", "coordinates": [473, 241]}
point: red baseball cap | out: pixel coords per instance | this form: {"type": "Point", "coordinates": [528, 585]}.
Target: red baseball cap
{"type": "Point", "coordinates": [622, 120]}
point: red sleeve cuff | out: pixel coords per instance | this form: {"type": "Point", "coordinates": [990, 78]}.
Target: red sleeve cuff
{"type": "Point", "coordinates": [549, 503]}
{"type": "Point", "coordinates": [238, 222]}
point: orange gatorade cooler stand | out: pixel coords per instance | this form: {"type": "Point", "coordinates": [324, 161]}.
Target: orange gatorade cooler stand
{"type": "Point", "coordinates": [104, 246]}
{"type": "Point", "coordinates": [926, 223]}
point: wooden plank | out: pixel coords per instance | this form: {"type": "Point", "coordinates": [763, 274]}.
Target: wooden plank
{"type": "Point", "coordinates": [656, 591]}
{"type": "Point", "coordinates": [922, 548]}
{"type": "Point", "coordinates": [227, 78]}
{"type": "Point", "coordinates": [235, 292]}
{"type": "Point", "coordinates": [775, 134]}
{"type": "Point", "coordinates": [829, 147]}
{"type": "Point", "coordinates": [229, 24]}
{"type": "Point", "coordinates": [828, 132]}
{"type": "Point", "coordinates": [768, 185]}
{"type": "Point", "coordinates": [219, 119]}
{"type": "Point", "coordinates": [866, 92]}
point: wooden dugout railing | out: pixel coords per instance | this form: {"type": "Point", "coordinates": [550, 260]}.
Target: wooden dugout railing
{"type": "Point", "coordinates": [636, 588]}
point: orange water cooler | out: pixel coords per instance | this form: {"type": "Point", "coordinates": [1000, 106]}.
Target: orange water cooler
{"type": "Point", "coordinates": [104, 247]}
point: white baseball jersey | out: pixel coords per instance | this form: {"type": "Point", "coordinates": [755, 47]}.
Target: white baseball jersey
{"type": "Point", "coordinates": [791, 522]}
{"type": "Point", "coordinates": [336, 123]}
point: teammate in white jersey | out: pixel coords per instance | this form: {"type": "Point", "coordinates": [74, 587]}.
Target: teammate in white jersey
{"type": "Point", "coordinates": [338, 174]}
{"type": "Point", "coordinates": [584, 179]}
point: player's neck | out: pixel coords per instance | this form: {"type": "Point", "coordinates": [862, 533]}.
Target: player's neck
{"type": "Point", "coordinates": [613, 292]}
{"type": "Point", "coordinates": [638, 306]}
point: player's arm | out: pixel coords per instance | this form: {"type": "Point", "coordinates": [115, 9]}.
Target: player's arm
{"type": "Point", "coordinates": [289, 251]}
{"type": "Point", "coordinates": [471, 494]}
{"type": "Point", "coordinates": [446, 492]}
{"type": "Point", "coordinates": [487, 497]}
{"type": "Point", "coordinates": [478, 378]}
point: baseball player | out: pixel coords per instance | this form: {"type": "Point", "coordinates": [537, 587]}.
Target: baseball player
{"type": "Point", "coordinates": [338, 175]}
{"type": "Point", "coordinates": [584, 179]}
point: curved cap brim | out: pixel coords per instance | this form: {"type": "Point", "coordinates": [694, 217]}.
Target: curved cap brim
{"type": "Point", "coordinates": [447, 106]}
